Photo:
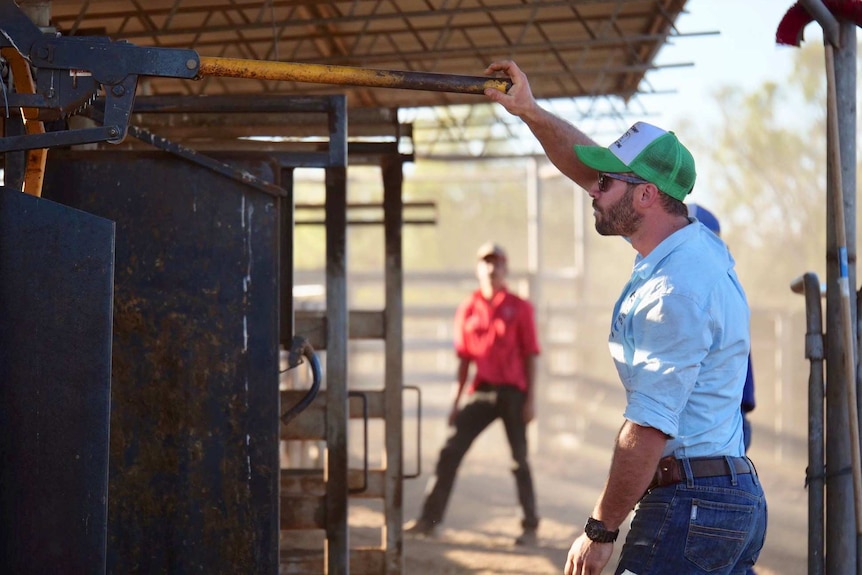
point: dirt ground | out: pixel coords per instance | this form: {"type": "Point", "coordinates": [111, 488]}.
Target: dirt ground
{"type": "Point", "coordinates": [569, 469]}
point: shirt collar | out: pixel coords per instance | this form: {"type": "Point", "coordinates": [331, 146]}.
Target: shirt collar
{"type": "Point", "coordinates": [498, 297]}
{"type": "Point", "coordinates": [644, 266]}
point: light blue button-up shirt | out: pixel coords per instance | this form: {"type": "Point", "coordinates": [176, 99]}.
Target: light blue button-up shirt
{"type": "Point", "coordinates": [680, 340]}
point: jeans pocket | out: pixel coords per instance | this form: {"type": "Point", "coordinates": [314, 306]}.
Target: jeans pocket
{"type": "Point", "coordinates": [717, 533]}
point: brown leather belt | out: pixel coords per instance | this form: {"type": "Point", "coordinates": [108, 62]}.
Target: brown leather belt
{"type": "Point", "coordinates": [671, 470]}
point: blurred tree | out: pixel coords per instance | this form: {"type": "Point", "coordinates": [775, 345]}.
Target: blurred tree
{"type": "Point", "coordinates": [764, 168]}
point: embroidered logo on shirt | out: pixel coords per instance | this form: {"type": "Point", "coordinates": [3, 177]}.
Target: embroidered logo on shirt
{"type": "Point", "coordinates": [618, 323]}
{"type": "Point", "coordinates": [624, 309]}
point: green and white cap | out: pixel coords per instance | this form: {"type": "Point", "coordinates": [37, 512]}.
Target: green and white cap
{"type": "Point", "coordinates": [650, 152]}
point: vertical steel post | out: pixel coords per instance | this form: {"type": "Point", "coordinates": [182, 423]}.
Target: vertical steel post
{"type": "Point", "coordinates": [337, 331]}
{"type": "Point", "coordinates": [816, 467]}
{"type": "Point", "coordinates": [285, 260]}
{"type": "Point", "coordinates": [534, 228]}
{"type": "Point", "coordinates": [842, 546]}
{"type": "Point", "coordinates": [393, 490]}
{"type": "Point", "coordinates": [535, 272]}
{"type": "Point", "coordinates": [845, 72]}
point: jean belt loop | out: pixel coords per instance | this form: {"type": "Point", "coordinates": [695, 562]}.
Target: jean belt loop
{"type": "Point", "coordinates": [686, 467]}
{"type": "Point", "coordinates": [728, 460]}
{"type": "Point", "coordinates": [752, 470]}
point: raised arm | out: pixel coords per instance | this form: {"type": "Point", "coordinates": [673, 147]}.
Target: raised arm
{"type": "Point", "coordinates": [557, 136]}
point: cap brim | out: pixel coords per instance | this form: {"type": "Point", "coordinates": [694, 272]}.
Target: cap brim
{"type": "Point", "coordinates": [601, 159]}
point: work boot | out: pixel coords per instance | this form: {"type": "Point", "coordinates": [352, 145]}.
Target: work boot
{"type": "Point", "coordinates": [420, 528]}
{"type": "Point", "coordinates": [528, 538]}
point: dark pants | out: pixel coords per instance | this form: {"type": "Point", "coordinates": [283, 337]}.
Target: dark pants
{"type": "Point", "coordinates": [484, 406]}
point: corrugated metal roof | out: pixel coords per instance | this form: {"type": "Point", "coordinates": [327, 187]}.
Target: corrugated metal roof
{"type": "Point", "coordinates": [571, 47]}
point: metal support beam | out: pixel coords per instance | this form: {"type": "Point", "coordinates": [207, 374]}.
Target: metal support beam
{"type": "Point", "coordinates": [286, 319]}
{"type": "Point", "coordinates": [337, 328]}
{"type": "Point", "coordinates": [842, 546]}
{"type": "Point", "coordinates": [393, 498]}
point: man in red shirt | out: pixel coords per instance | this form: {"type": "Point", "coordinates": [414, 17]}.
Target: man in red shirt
{"type": "Point", "coordinates": [496, 330]}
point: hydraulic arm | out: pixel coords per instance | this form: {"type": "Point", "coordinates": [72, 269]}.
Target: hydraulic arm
{"type": "Point", "coordinates": [70, 72]}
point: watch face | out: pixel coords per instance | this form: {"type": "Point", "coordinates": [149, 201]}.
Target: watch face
{"type": "Point", "coordinates": [597, 532]}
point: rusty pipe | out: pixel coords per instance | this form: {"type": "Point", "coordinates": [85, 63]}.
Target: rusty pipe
{"type": "Point", "coordinates": [347, 75]}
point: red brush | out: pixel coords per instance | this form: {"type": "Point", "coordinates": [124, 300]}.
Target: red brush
{"type": "Point", "coordinates": [793, 23]}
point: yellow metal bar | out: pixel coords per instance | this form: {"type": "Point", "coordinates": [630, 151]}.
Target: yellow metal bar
{"type": "Point", "coordinates": [320, 74]}
{"type": "Point", "coordinates": [34, 172]}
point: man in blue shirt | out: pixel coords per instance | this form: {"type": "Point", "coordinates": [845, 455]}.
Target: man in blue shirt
{"type": "Point", "coordinates": [679, 338]}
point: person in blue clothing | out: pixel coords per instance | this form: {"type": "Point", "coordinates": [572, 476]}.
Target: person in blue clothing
{"type": "Point", "coordinates": [680, 340]}
{"type": "Point", "coordinates": [708, 219]}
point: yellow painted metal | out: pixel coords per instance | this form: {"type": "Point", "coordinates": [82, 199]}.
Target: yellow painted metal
{"type": "Point", "coordinates": [34, 173]}
{"type": "Point", "coordinates": [347, 75]}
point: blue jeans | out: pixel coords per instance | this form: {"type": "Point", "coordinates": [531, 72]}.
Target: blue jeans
{"type": "Point", "coordinates": [701, 526]}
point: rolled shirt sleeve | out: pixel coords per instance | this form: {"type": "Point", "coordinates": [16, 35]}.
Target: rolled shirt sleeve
{"type": "Point", "coordinates": [672, 338]}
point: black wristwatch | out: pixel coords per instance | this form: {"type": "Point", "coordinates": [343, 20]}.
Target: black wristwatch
{"type": "Point", "coordinates": [597, 531]}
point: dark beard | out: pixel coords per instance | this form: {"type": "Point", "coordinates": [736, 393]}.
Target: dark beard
{"type": "Point", "coordinates": [620, 219]}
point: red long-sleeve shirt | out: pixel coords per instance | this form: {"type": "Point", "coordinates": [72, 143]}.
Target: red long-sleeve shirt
{"type": "Point", "coordinates": [497, 335]}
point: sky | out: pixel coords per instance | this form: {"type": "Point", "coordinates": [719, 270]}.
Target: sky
{"type": "Point", "coordinates": [744, 53]}
{"type": "Point", "coordinates": [732, 42]}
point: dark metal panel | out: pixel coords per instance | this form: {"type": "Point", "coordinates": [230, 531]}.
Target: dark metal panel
{"type": "Point", "coordinates": [194, 420]}
{"type": "Point", "coordinates": [56, 284]}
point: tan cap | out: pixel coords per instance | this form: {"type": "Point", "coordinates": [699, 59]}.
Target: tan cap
{"type": "Point", "coordinates": [489, 249]}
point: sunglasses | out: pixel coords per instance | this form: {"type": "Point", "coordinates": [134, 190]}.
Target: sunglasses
{"type": "Point", "coordinates": [604, 180]}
